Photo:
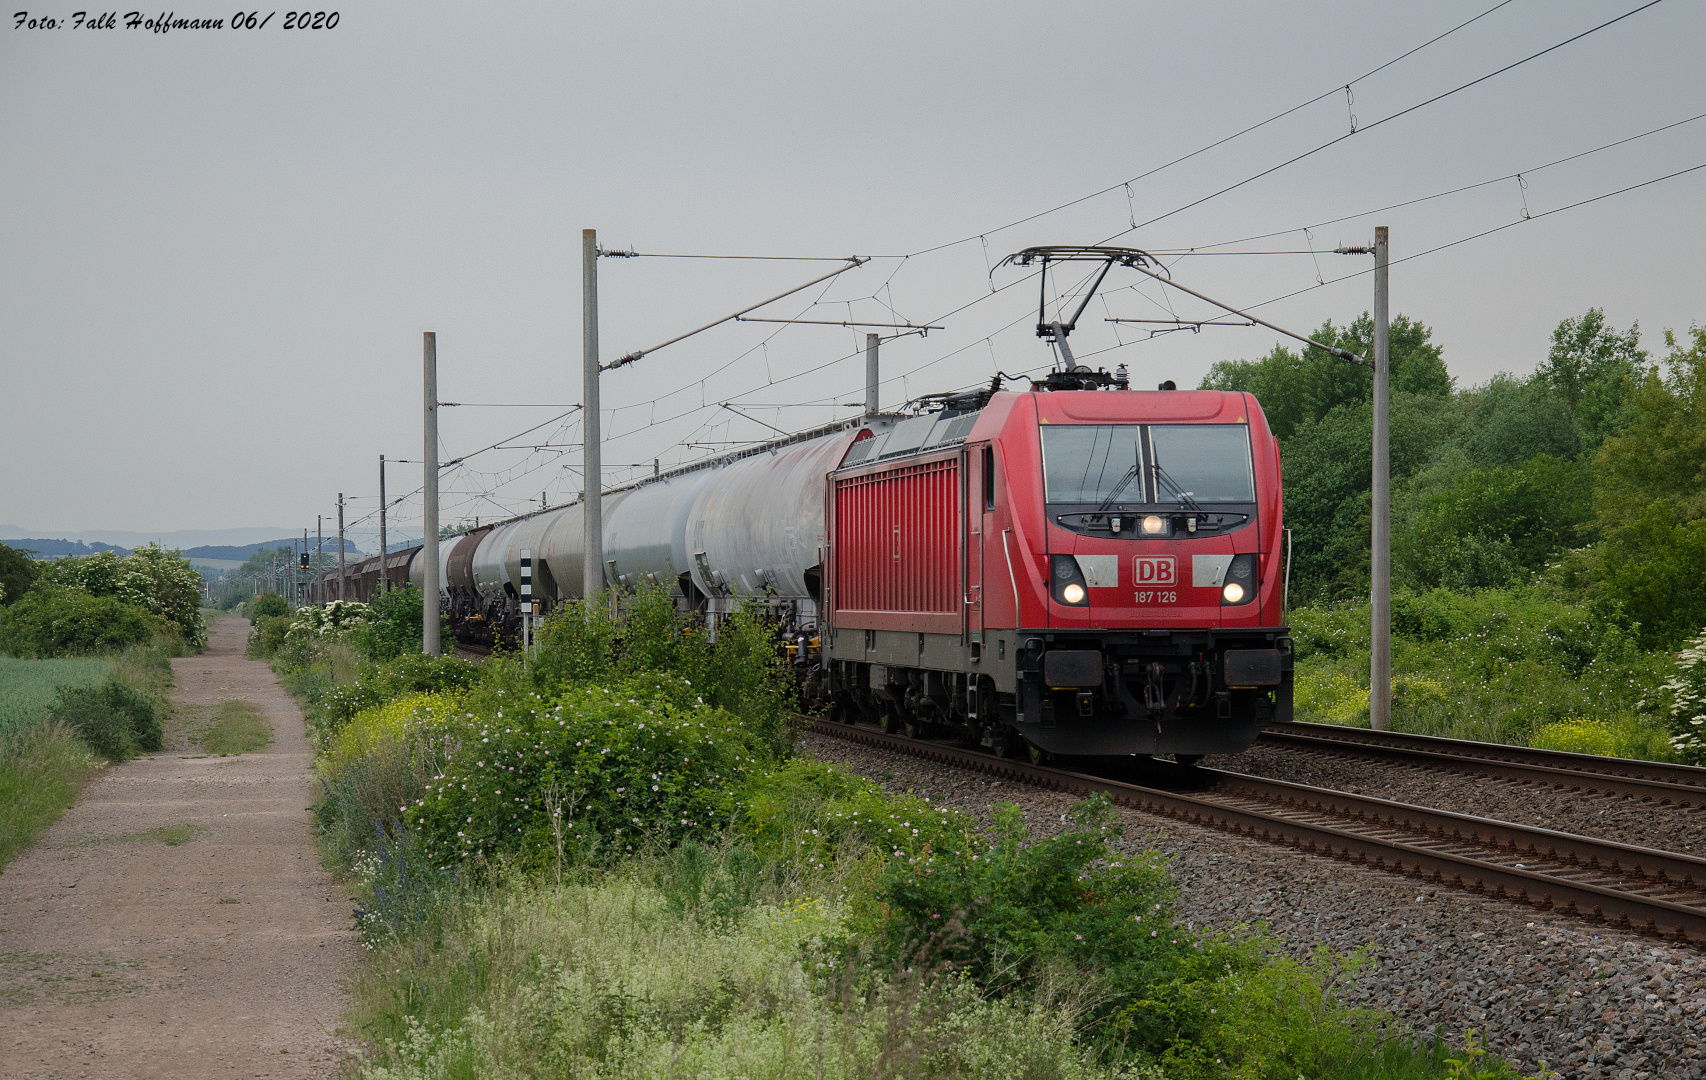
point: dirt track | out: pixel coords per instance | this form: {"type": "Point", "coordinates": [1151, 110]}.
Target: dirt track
{"type": "Point", "coordinates": [223, 956]}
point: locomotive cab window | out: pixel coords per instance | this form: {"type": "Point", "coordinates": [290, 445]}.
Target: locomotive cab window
{"type": "Point", "coordinates": [1149, 480]}
{"type": "Point", "coordinates": [1090, 463]}
{"type": "Point", "coordinates": [1204, 463]}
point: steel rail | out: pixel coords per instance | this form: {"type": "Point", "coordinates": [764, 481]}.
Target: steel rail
{"type": "Point", "coordinates": [1654, 781]}
{"type": "Point", "coordinates": [1431, 844]}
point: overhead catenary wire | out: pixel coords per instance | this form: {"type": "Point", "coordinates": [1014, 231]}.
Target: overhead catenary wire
{"type": "Point", "coordinates": [1337, 89]}
{"type": "Point", "coordinates": [1204, 248]}
{"type": "Point", "coordinates": [902, 375]}
{"type": "Point", "coordinates": [609, 253]}
{"type": "Point", "coordinates": [1242, 312]}
{"type": "Point", "coordinates": [853, 262]}
{"type": "Point", "coordinates": [1357, 130]}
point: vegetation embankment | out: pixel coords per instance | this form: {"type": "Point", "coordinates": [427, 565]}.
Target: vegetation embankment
{"type": "Point", "coordinates": [1549, 536]}
{"type": "Point", "coordinates": [84, 667]}
{"type": "Point", "coordinates": [608, 862]}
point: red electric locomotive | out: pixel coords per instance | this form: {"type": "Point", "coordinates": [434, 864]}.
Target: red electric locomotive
{"type": "Point", "coordinates": [1080, 569]}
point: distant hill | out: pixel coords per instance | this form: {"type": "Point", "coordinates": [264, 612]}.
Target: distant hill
{"type": "Point", "coordinates": [242, 552]}
{"type": "Point", "coordinates": [58, 549]}
{"type": "Point", "coordinates": [182, 538]}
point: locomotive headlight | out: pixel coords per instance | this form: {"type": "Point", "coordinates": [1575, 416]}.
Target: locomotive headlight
{"type": "Point", "coordinates": [1067, 581]}
{"type": "Point", "coordinates": [1154, 525]}
{"type": "Point", "coordinates": [1239, 585]}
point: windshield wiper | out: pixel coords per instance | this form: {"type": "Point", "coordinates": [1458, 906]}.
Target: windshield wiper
{"type": "Point", "coordinates": [1119, 489]}
{"type": "Point", "coordinates": [1184, 496]}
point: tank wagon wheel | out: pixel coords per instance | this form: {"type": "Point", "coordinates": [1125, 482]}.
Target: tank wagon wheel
{"type": "Point", "coordinates": [913, 728]}
{"type": "Point", "coordinates": [1007, 743]}
{"type": "Point", "coordinates": [891, 723]}
{"type": "Point", "coordinates": [1038, 755]}
{"type": "Point", "coordinates": [1187, 760]}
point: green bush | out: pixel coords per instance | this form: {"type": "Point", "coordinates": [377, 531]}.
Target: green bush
{"type": "Point", "coordinates": [380, 762]}
{"type": "Point", "coordinates": [1624, 737]}
{"type": "Point", "coordinates": [1656, 572]}
{"type": "Point", "coordinates": [159, 581]}
{"type": "Point", "coordinates": [41, 771]}
{"type": "Point", "coordinates": [742, 671]}
{"type": "Point", "coordinates": [598, 771]}
{"type": "Point", "coordinates": [17, 574]}
{"type": "Point", "coordinates": [116, 720]}
{"type": "Point", "coordinates": [811, 815]}
{"type": "Point", "coordinates": [268, 635]}
{"type": "Point", "coordinates": [29, 687]}
{"type": "Point", "coordinates": [1007, 914]}
{"type": "Point", "coordinates": [1494, 526]}
{"type": "Point", "coordinates": [378, 684]}
{"type": "Point", "coordinates": [1686, 711]}
{"type": "Point", "coordinates": [266, 605]}
{"type": "Point", "coordinates": [392, 625]}
{"type": "Point", "coordinates": [609, 977]}
{"type": "Point", "coordinates": [1498, 665]}
{"type": "Point", "coordinates": [53, 620]}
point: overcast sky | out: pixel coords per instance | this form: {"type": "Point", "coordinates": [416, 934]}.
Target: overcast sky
{"type": "Point", "coordinates": [222, 246]}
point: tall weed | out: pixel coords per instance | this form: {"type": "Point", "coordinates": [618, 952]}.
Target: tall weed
{"type": "Point", "coordinates": [608, 978]}
{"type": "Point", "coordinates": [377, 765]}
{"type": "Point", "coordinates": [41, 772]}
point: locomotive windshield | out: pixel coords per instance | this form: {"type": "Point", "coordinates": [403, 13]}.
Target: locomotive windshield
{"type": "Point", "coordinates": [1129, 464]}
{"type": "Point", "coordinates": [1206, 462]}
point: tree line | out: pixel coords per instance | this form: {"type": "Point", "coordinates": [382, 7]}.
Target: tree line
{"type": "Point", "coordinates": [1585, 480]}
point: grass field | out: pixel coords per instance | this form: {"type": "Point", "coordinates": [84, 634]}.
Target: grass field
{"type": "Point", "coordinates": [43, 762]}
{"type": "Point", "coordinates": [28, 687]}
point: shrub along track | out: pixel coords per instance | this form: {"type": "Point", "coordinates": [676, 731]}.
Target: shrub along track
{"type": "Point", "coordinates": [176, 922]}
{"type": "Point", "coordinates": [1655, 892]}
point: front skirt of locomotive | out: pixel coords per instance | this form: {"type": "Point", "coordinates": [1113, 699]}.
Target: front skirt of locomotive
{"type": "Point", "coordinates": [1152, 692]}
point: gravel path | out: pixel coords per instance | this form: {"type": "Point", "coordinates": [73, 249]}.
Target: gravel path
{"type": "Point", "coordinates": [124, 954]}
{"type": "Point", "coordinates": [1609, 817]}
{"type": "Point", "coordinates": [1590, 1002]}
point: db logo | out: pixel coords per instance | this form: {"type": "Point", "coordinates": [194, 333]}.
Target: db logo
{"type": "Point", "coordinates": [1155, 570]}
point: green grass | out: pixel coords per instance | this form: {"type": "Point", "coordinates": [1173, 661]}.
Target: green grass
{"type": "Point", "coordinates": [28, 687]}
{"type": "Point", "coordinates": [237, 728]}
{"type": "Point", "coordinates": [1509, 666]}
{"type": "Point", "coordinates": [41, 772]}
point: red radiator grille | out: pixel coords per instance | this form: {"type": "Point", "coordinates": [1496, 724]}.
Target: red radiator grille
{"type": "Point", "coordinates": [897, 539]}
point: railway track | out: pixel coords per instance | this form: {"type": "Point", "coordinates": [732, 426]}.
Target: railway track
{"type": "Point", "coordinates": [1647, 781]}
{"type": "Point", "coordinates": [1655, 892]}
